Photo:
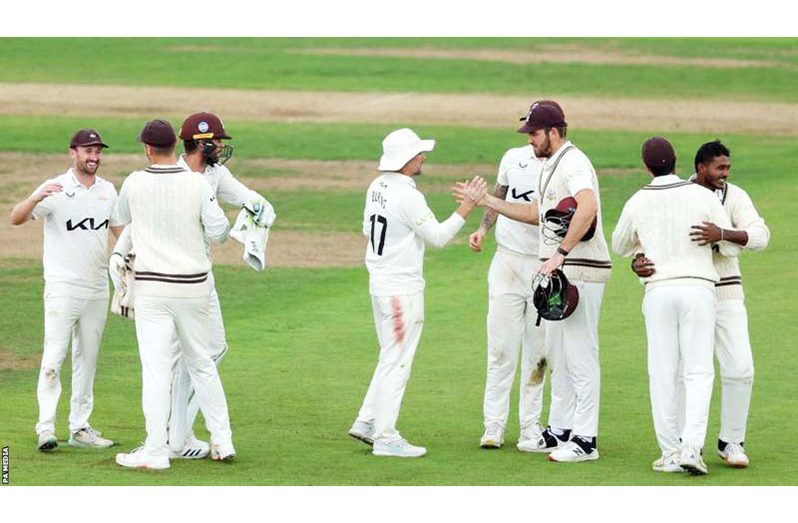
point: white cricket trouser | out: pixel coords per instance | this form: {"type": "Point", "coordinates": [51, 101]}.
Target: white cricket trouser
{"type": "Point", "coordinates": [680, 320]}
{"type": "Point", "coordinates": [736, 363]}
{"type": "Point", "coordinates": [573, 354]}
{"type": "Point", "coordinates": [185, 404]}
{"type": "Point", "coordinates": [158, 320]}
{"type": "Point", "coordinates": [399, 321]}
{"type": "Point", "coordinates": [82, 320]}
{"type": "Point", "coordinates": [511, 324]}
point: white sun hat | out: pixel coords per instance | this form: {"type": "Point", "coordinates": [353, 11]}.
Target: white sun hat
{"type": "Point", "coordinates": [400, 147]}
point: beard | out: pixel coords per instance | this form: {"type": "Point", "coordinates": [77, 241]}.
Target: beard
{"type": "Point", "coordinates": [544, 151]}
{"type": "Point", "coordinates": [87, 169]}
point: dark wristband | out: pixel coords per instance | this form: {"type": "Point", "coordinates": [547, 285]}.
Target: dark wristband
{"type": "Point", "coordinates": [562, 251]}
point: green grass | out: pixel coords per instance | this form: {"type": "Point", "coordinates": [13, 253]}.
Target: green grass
{"type": "Point", "coordinates": [302, 343]}
{"type": "Point", "coordinates": [271, 64]}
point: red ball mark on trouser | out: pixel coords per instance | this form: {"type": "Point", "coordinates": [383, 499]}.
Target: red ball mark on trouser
{"type": "Point", "coordinates": [398, 323]}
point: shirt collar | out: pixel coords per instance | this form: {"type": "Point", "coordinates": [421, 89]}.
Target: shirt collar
{"type": "Point", "coordinates": [401, 178]}
{"type": "Point", "coordinates": [665, 180]}
{"type": "Point", "coordinates": [76, 182]}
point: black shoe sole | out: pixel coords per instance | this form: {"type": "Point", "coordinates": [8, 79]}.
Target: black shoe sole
{"type": "Point", "coordinates": [50, 445]}
{"type": "Point", "coordinates": [369, 442]}
{"type": "Point", "coordinates": [693, 470]}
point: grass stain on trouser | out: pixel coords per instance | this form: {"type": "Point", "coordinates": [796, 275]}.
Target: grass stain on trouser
{"type": "Point", "coordinates": [536, 378]}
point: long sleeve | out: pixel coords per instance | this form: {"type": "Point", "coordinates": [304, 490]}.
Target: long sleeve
{"type": "Point", "coordinates": [624, 238]}
{"type": "Point", "coordinates": [434, 233]}
{"type": "Point", "coordinates": [745, 217]}
{"type": "Point", "coordinates": [213, 218]}
{"type": "Point", "coordinates": [231, 190]}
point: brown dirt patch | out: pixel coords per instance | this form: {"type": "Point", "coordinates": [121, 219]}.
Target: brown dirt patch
{"type": "Point", "coordinates": [494, 111]}
{"type": "Point", "coordinates": [571, 54]}
{"type": "Point", "coordinates": [11, 361]}
{"type": "Point", "coordinates": [20, 176]}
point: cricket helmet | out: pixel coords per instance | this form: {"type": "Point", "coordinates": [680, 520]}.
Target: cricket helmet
{"type": "Point", "coordinates": [557, 220]}
{"type": "Point", "coordinates": [203, 128]}
{"type": "Point", "coordinates": [554, 297]}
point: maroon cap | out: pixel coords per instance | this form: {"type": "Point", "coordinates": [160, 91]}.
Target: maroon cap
{"type": "Point", "coordinates": [658, 152]}
{"type": "Point", "coordinates": [158, 133]}
{"type": "Point", "coordinates": [203, 126]}
{"type": "Point", "coordinates": [85, 138]}
{"type": "Point", "coordinates": [543, 113]}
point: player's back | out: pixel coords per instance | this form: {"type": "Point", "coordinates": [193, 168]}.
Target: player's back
{"type": "Point", "coordinates": [394, 253]}
{"type": "Point", "coordinates": [165, 205]}
{"type": "Point", "coordinates": [664, 215]}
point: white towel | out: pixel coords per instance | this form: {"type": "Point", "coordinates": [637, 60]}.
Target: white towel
{"type": "Point", "coordinates": [122, 300]}
{"type": "Point", "coordinates": [254, 235]}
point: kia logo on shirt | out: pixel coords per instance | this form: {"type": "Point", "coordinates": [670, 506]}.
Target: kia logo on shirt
{"type": "Point", "coordinates": [523, 195]}
{"type": "Point", "coordinates": [86, 224]}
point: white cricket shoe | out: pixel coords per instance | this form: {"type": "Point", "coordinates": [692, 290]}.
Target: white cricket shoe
{"type": "Point", "coordinates": [572, 452]}
{"type": "Point", "coordinates": [531, 433]}
{"type": "Point", "coordinates": [223, 452]}
{"type": "Point", "coordinates": [493, 438]}
{"type": "Point", "coordinates": [690, 460]}
{"type": "Point", "coordinates": [193, 449]}
{"type": "Point", "coordinates": [47, 440]}
{"type": "Point", "coordinates": [668, 463]}
{"type": "Point", "coordinates": [546, 442]}
{"type": "Point", "coordinates": [398, 447]}
{"type": "Point", "coordinates": [87, 437]}
{"type": "Point", "coordinates": [734, 455]}
{"type": "Point", "coordinates": [363, 431]}
{"type": "Point", "coordinates": [139, 458]}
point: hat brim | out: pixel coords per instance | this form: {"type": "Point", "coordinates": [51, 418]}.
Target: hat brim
{"type": "Point", "coordinates": [395, 162]}
{"type": "Point", "coordinates": [90, 144]}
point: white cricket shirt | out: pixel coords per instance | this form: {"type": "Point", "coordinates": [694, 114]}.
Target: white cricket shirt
{"type": "Point", "coordinates": [398, 222]}
{"type": "Point", "coordinates": [519, 170]}
{"type": "Point", "coordinates": [223, 183]}
{"type": "Point", "coordinates": [76, 222]}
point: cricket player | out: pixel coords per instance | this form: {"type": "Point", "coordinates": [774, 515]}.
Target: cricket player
{"type": "Point", "coordinates": [571, 344]}
{"type": "Point", "coordinates": [511, 321]}
{"type": "Point", "coordinates": [398, 223]}
{"type": "Point", "coordinates": [679, 302]}
{"type": "Point", "coordinates": [732, 342]}
{"type": "Point", "coordinates": [173, 210]}
{"type": "Point", "coordinates": [203, 136]}
{"type": "Point", "coordinates": [77, 211]}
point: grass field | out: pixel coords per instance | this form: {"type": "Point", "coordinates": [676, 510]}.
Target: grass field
{"type": "Point", "coordinates": [302, 342]}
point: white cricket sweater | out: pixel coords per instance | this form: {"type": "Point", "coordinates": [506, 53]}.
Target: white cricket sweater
{"type": "Point", "coordinates": [173, 210]}
{"type": "Point", "coordinates": [398, 223]}
{"type": "Point", "coordinates": [744, 217]}
{"type": "Point", "coordinates": [566, 173]}
{"type": "Point", "coordinates": [657, 220]}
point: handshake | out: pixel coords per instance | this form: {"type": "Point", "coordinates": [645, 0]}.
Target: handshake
{"type": "Point", "coordinates": [471, 193]}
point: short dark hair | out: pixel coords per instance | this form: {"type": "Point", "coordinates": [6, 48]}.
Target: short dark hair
{"type": "Point", "coordinates": [662, 170]}
{"type": "Point", "coordinates": [164, 150]}
{"type": "Point", "coordinates": [189, 146]}
{"type": "Point", "coordinates": [710, 150]}
{"type": "Point", "coordinates": [563, 130]}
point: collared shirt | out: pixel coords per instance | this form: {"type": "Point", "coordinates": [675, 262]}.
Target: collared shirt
{"type": "Point", "coordinates": [398, 222]}
{"type": "Point", "coordinates": [76, 222]}
{"type": "Point", "coordinates": [519, 171]}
